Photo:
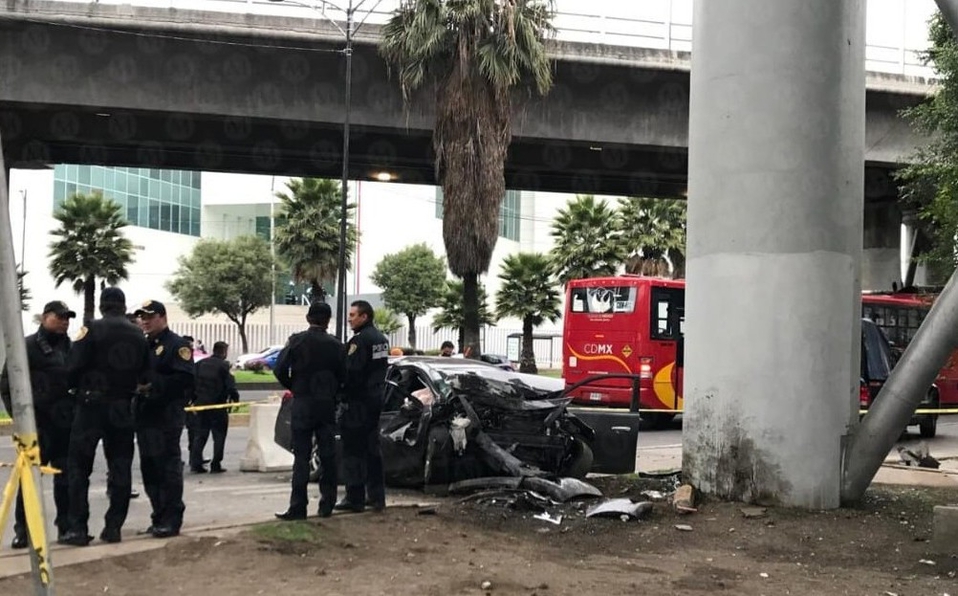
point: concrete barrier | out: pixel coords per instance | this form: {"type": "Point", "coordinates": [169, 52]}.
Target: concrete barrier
{"type": "Point", "coordinates": [262, 454]}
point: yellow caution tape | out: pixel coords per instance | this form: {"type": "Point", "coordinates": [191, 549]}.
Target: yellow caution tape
{"type": "Point", "coordinates": [223, 406]}
{"type": "Point", "coordinates": [28, 455]}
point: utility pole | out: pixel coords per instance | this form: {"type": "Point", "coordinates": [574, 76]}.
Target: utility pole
{"type": "Point", "coordinates": [272, 252]}
{"type": "Point", "coordinates": [25, 426]}
{"type": "Point", "coordinates": [344, 203]}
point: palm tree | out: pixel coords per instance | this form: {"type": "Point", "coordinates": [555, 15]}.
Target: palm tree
{"type": "Point", "coordinates": [473, 55]}
{"type": "Point", "coordinates": [451, 312]}
{"type": "Point", "coordinates": [307, 236]}
{"type": "Point", "coordinates": [653, 231]}
{"type": "Point", "coordinates": [89, 245]}
{"type": "Point", "coordinates": [587, 240]}
{"type": "Point", "coordinates": [528, 292]}
{"type": "Point", "coordinates": [24, 291]}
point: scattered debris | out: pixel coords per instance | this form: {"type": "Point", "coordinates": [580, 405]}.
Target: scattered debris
{"type": "Point", "coordinates": [486, 585]}
{"type": "Point", "coordinates": [754, 512]}
{"type": "Point", "coordinates": [557, 520]}
{"type": "Point", "coordinates": [457, 430]}
{"type": "Point", "coordinates": [763, 575]}
{"type": "Point", "coordinates": [653, 495]}
{"type": "Point", "coordinates": [918, 457]}
{"type": "Point", "coordinates": [563, 491]}
{"type": "Point", "coordinates": [427, 511]}
{"type": "Point", "coordinates": [620, 507]}
{"type": "Point", "coordinates": [927, 562]}
{"type": "Point", "coordinates": [683, 527]}
{"type": "Point", "coordinates": [683, 500]}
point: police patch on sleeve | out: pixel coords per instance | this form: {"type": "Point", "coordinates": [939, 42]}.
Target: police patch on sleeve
{"type": "Point", "coordinates": [81, 334]}
{"type": "Point", "coordinates": [352, 349]}
{"type": "Point", "coordinates": [185, 353]}
{"type": "Point", "coordinates": [158, 351]}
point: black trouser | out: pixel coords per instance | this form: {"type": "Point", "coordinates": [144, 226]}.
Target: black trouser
{"type": "Point", "coordinates": [158, 434]}
{"type": "Point", "coordinates": [216, 422]}
{"type": "Point", "coordinates": [362, 453]}
{"type": "Point", "coordinates": [192, 430]}
{"type": "Point", "coordinates": [325, 434]}
{"type": "Point", "coordinates": [111, 422]}
{"type": "Point", "coordinates": [53, 433]}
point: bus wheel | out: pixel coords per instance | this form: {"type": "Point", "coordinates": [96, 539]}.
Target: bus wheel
{"type": "Point", "coordinates": [580, 460]}
{"type": "Point", "coordinates": [660, 421]}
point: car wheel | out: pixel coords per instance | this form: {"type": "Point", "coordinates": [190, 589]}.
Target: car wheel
{"type": "Point", "coordinates": [660, 421]}
{"type": "Point", "coordinates": [928, 424]}
{"type": "Point", "coordinates": [580, 460]}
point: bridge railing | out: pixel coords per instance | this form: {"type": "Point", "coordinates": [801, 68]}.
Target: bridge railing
{"type": "Point", "coordinates": [896, 36]}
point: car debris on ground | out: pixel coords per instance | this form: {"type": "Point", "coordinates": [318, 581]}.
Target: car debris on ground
{"type": "Point", "coordinates": [918, 457]}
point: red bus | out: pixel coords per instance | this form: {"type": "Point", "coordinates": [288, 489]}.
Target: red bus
{"type": "Point", "coordinates": [635, 325]}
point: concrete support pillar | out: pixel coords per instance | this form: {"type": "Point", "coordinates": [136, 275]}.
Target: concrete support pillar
{"type": "Point", "coordinates": [881, 259]}
{"type": "Point", "coordinates": [776, 147]}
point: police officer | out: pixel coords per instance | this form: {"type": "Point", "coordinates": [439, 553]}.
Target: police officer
{"type": "Point", "coordinates": [108, 361]}
{"type": "Point", "coordinates": [312, 367]}
{"type": "Point", "coordinates": [214, 386]}
{"type": "Point", "coordinates": [367, 357]}
{"type": "Point", "coordinates": [47, 353]}
{"type": "Point", "coordinates": [160, 419]}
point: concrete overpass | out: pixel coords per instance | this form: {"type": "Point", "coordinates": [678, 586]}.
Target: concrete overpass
{"type": "Point", "coordinates": [126, 85]}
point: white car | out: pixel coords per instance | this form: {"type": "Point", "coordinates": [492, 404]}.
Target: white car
{"type": "Point", "coordinates": [242, 359]}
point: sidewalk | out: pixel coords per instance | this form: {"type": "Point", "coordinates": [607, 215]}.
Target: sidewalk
{"type": "Point", "coordinates": [669, 457]}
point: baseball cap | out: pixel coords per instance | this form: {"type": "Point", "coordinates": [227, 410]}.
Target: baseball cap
{"type": "Point", "coordinates": [320, 311]}
{"type": "Point", "coordinates": [151, 307]}
{"type": "Point", "coordinates": [59, 308]}
{"type": "Point", "coordinates": [112, 295]}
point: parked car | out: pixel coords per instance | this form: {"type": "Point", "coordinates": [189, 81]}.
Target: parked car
{"type": "Point", "coordinates": [498, 360]}
{"type": "Point", "coordinates": [242, 359]}
{"type": "Point", "coordinates": [446, 420]}
{"type": "Point", "coordinates": [877, 361]}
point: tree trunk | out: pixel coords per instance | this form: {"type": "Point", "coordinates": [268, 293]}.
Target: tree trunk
{"type": "Point", "coordinates": [527, 359]}
{"type": "Point", "coordinates": [462, 340]}
{"type": "Point", "coordinates": [319, 295]}
{"type": "Point", "coordinates": [470, 315]}
{"type": "Point", "coordinates": [242, 333]}
{"type": "Point", "coordinates": [89, 298]}
{"type": "Point", "coordinates": [412, 330]}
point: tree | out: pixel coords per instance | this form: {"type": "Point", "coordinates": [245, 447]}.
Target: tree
{"type": "Point", "coordinates": [387, 321]}
{"type": "Point", "coordinates": [474, 56]}
{"type": "Point", "coordinates": [24, 291]}
{"type": "Point", "coordinates": [588, 241]}
{"type": "Point", "coordinates": [89, 244]}
{"type": "Point", "coordinates": [412, 282]}
{"type": "Point", "coordinates": [528, 293]}
{"type": "Point", "coordinates": [653, 233]}
{"type": "Point", "coordinates": [307, 232]}
{"type": "Point", "coordinates": [232, 277]}
{"type": "Point", "coordinates": [930, 181]}
{"type": "Point", "coordinates": [451, 316]}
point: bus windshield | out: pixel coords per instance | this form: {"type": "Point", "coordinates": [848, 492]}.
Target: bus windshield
{"type": "Point", "coordinates": [603, 299]}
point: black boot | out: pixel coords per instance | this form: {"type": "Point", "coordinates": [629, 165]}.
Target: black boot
{"type": "Point", "coordinates": [19, 539]}
{"type": "Point", "coordinates": [291, 515]}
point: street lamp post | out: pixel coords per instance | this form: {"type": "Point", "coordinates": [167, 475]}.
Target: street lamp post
{"type": "Point", "coordinates": [348, 32]}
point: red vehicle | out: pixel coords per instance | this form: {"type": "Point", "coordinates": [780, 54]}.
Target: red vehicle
{"type": "Point", "coordinates": [634, 326]}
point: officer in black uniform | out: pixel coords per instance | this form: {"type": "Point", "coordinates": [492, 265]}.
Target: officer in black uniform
{"type": "Point", "coordinates": [312, 367]}
{"type": "Point", "coordinates": [367, 358]}
{"type": "Point", "coordinates": [160, 419]}
{"type": "Point", "coordinates": [47, 353]}
{"type": "Point", "coordinates": [108, 362]}
{"type": "Point", "coordinates": [214, 386]}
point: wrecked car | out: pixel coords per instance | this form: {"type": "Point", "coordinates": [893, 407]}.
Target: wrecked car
{"type": "Point", "coordinates": [447, 420]}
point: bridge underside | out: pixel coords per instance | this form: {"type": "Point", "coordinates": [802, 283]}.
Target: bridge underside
{"type": "Point", "coordinates": [35, 135]}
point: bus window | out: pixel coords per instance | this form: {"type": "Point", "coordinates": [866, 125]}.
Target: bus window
{"type": "Point", "coordinates": [668, 314]}
{"type": "Point", "coordinates": [602, 300]}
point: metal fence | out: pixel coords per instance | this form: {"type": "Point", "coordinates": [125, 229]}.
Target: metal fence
{"type": "Point", "coordinates": [495, 340]}
{"type": "Point", "coordinates": [653, 24]}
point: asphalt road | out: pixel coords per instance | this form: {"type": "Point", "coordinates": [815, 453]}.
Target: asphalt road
{"type": "Point", "coordinates": [238, 497]}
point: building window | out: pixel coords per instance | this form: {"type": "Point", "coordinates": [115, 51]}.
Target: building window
{"type": "Point", "coordinates": [165, 200]}
{"type": "Point", "coordinates": [262, 227]}
{"type": "Point", "coordinates": [510, 213]}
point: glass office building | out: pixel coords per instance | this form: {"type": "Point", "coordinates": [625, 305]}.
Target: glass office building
{"type": "Point", "coordinates": [165, 200]}
{"type": "Point", "coordinates": [510, 213]}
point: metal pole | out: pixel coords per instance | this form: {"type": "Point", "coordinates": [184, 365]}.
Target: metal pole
{"type": "Point", "coordinates": [341, 284]}
{"type": "Point", "coordinates": [23, 238]}
{"type": "Point", "coordinates": [911, 378]}
{"type": "Point", "coordinates": [901, 394]}
{"type": "Point", "coordinates": [25, 426]}
{"type": "Point", "coordinates": [272, 252]}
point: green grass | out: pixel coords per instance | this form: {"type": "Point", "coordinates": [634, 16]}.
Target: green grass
{"type": "Point", "coordinates": [297, 531]}
{"type": "Point", "coordinates": [4, 415]}
{"type": "Point", "coordinates": [248, 376]}
{"type": "Point", "coordinates": [555, 373]}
